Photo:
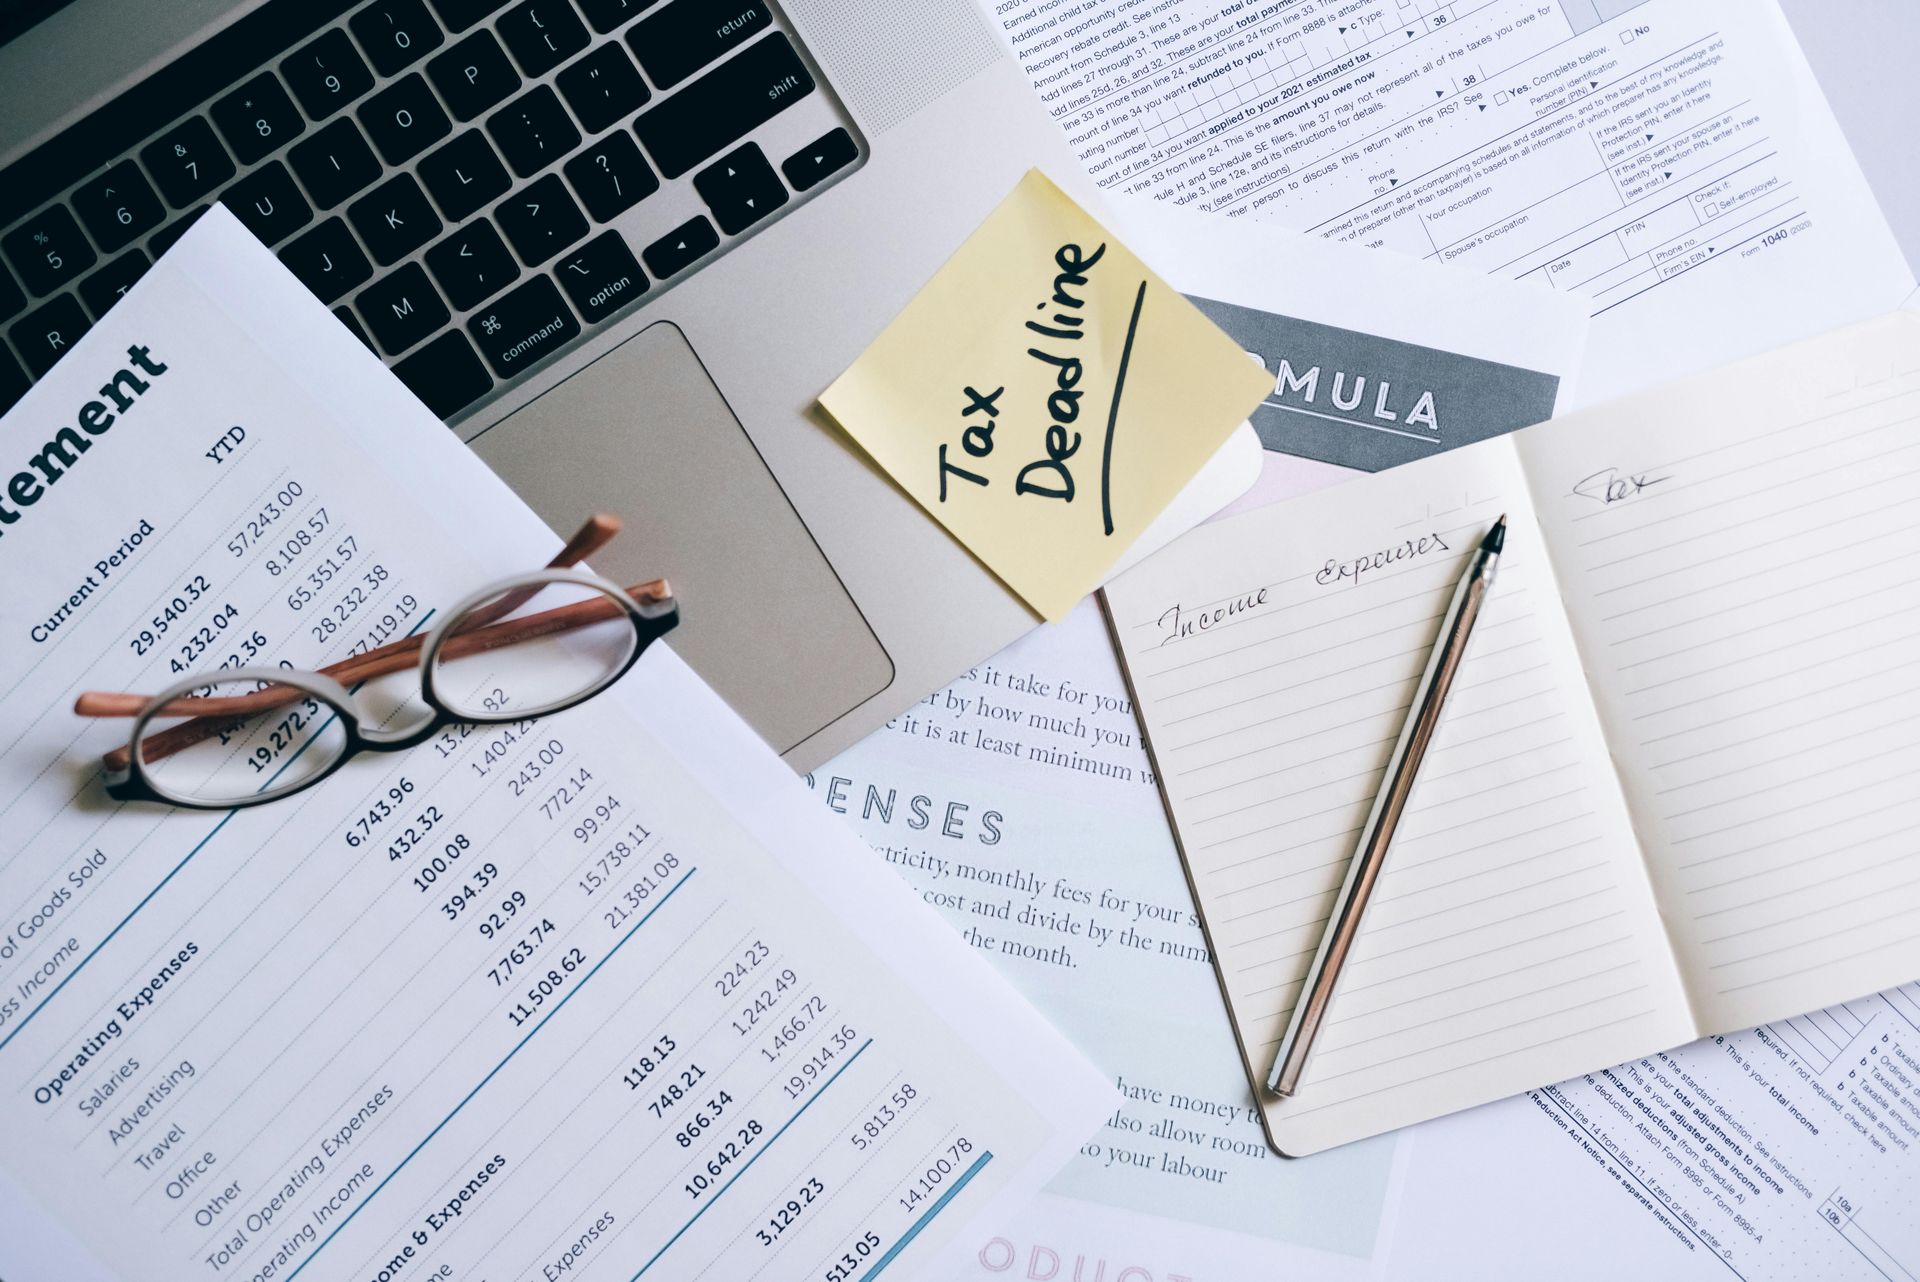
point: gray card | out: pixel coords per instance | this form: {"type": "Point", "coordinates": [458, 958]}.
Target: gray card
{"type": "Point", "coordinates": [1349, 398]}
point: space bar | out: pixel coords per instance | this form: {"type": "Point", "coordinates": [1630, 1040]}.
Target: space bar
{"type": "Point", "coordinates": [725, 105]}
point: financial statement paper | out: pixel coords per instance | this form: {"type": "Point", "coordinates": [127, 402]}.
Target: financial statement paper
{"type": "Point", "coordinates": [600, 995]}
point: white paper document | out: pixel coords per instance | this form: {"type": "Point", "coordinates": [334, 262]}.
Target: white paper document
{"type": "Point", "coordinates": [1670, 794]}
{"type": "Point", "coordinates": [602, 995]}
{"type": "Point", "coordinates": [1788, 1152]}
{"type": "Point", "coordinates": [1671, 163]}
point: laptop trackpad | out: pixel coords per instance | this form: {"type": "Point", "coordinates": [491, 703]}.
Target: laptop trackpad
{"type": "Point", "coordinates": [644, 433]}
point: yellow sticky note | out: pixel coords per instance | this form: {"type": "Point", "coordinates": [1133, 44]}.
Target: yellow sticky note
{"type": "Point", "coordinates": [1046, 395]}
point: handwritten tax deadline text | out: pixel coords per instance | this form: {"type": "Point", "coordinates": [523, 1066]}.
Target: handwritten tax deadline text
{"type": "Point", "coordinates": [1045, 396]}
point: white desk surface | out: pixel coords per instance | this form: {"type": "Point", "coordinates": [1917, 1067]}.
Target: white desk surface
{"type": "Point", "coordinates": [1862, 51]}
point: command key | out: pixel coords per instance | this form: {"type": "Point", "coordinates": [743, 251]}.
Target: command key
{"type": "Point", "coordinates": [523, 325]}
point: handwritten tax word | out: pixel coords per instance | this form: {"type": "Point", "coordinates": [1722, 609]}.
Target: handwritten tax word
{"type": "Point", "coordinates": [1047, 477]}
{"type": "Point", "coordinates": [1610, 486]}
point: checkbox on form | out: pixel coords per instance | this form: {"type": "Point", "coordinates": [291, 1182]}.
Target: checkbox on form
{"type": "Point", "coordinates": [1626, 37]}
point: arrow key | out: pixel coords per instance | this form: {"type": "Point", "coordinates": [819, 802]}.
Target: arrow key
{"type": "Point", "coordinates": [680, 248]}
{"type": "Point", "coordinates": [740, 188]}
{"type": "Point", "coordinates": [815, 162]}
{"type": "Point", "coordinates": [472, 265]}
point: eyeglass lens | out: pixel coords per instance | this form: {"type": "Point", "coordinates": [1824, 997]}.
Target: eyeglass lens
{"type": "Point", "coordinates": [295, 738]}
{"type": "Point", "coordinates": [477, 676]}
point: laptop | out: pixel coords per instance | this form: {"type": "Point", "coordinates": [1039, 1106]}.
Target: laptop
{"type": "Point", "coordinates": [618, 245]}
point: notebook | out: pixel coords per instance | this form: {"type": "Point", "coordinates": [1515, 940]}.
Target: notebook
{"type": "Point", "coordinates": [1676, 790]}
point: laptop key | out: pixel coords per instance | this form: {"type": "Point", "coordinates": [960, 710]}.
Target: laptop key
{"type": "Point", "coordinates": [724, 105]}
{"type": "Point", "coordinates": [334, 164]}
{"type": "Point", "coordinates": [740, 188]}
{"type": "Point", "coordinates": [44, 334]}
{"type": "Point", "coordinates": [327, 75]}
{"type": "Point", "coordinates": [522, 326]}
{"type": "Point", "coordinates": [269, 204]}
{"type": "Point", "coordinates": [404, 119]}
{"type": "Point", "coordinates": [461, 14]}
{"type": "Point", "coordinates": [611, 176]}
{"type": "Point", "coordinates": [541, 220]}
{"type": "Point", "coordinates": [395, 34]}
{"type": "Point", "coordinates": [603, 87]}
{"type": "Point", "coordinates": [601, 277]}
{"type": "Point", "coordinates": [820, 159]}
{"type": "Point", "coordinates": [445, 374]}
{"type": "Point", "coordinates": [472, 265]}
{"type": "Point", "coordinates": [163, 239]}
{"type": "Point", "coordinates": [680, 248]}
{"type": "Point", "coordinates": [533, 131]}
{"type": "Point", "coordinates": [107, 286]}
{"type": "Point", "coordinates": [473, 75]}
{"type": "Point", "coordinates": [605, 15]}
{"type": "Point", "coordinates": [12, 297]}
{"type": "Point", "coordinates": [401, 309]}
{"type": "Point", "coordinates": [13, 381]}
{"type": "Point", "coordinates": [542, 34]}
{"type": "Point", "coordinates": [394, 219]}
{"type": "Point", "coordinates": [353, 324]}
{"type": "Point", "coordinates": [118, 206]}
{"type": "Point", "coordinates": [187, 162]}
{"type": "Point", "coordinates": [257, 117]}
{"type": "Point", "coordinates": [48, 250]}
{"type": "Point", "coordinates": [464, 175]}
{"type": "Point", "coordinates": [328, 260]}
{"type": "Point", "coordinates": [688, 34]}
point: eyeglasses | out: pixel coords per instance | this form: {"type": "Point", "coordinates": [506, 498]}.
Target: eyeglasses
{"type": "Point", "coordinates": [248, 735]}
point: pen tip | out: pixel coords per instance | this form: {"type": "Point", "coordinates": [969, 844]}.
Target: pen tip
{"type": "Point", "coordinates": [1496, 537]}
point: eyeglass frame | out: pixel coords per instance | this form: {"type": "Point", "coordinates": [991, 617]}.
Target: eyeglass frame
{"type": "Point", "coordinates": [649, 607]}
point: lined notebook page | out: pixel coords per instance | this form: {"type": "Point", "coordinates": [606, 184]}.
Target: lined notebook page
{"type": "Point", "coordinates": [1513, 938]}
{"type": "Point", "coordinates": [1741, 559]}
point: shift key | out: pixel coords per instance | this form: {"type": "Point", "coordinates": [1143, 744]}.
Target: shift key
{"type": "Point", "coordinates": [522, 326]}
{"type": "Point", "coordinates": [725, 105]}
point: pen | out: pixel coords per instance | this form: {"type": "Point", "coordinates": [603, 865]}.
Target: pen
{"type": "Point", "coordinates": [1423, 716]}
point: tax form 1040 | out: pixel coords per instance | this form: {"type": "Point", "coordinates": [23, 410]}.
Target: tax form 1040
{"type": "Point", "coordinates": [1672, 163]}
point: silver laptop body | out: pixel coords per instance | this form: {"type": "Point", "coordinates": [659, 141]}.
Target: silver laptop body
{"type": "Point", "coordinates": [817, 598]}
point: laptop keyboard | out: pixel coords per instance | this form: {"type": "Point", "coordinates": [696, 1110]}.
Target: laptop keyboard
{"type": "Point", "coordinates": [472, 185]}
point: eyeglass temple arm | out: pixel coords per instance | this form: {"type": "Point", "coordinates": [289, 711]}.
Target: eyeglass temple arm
{"type": "Point", "coordinates": [378, 663]}
{"type": "Point", "coordinates": [600, 529]}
